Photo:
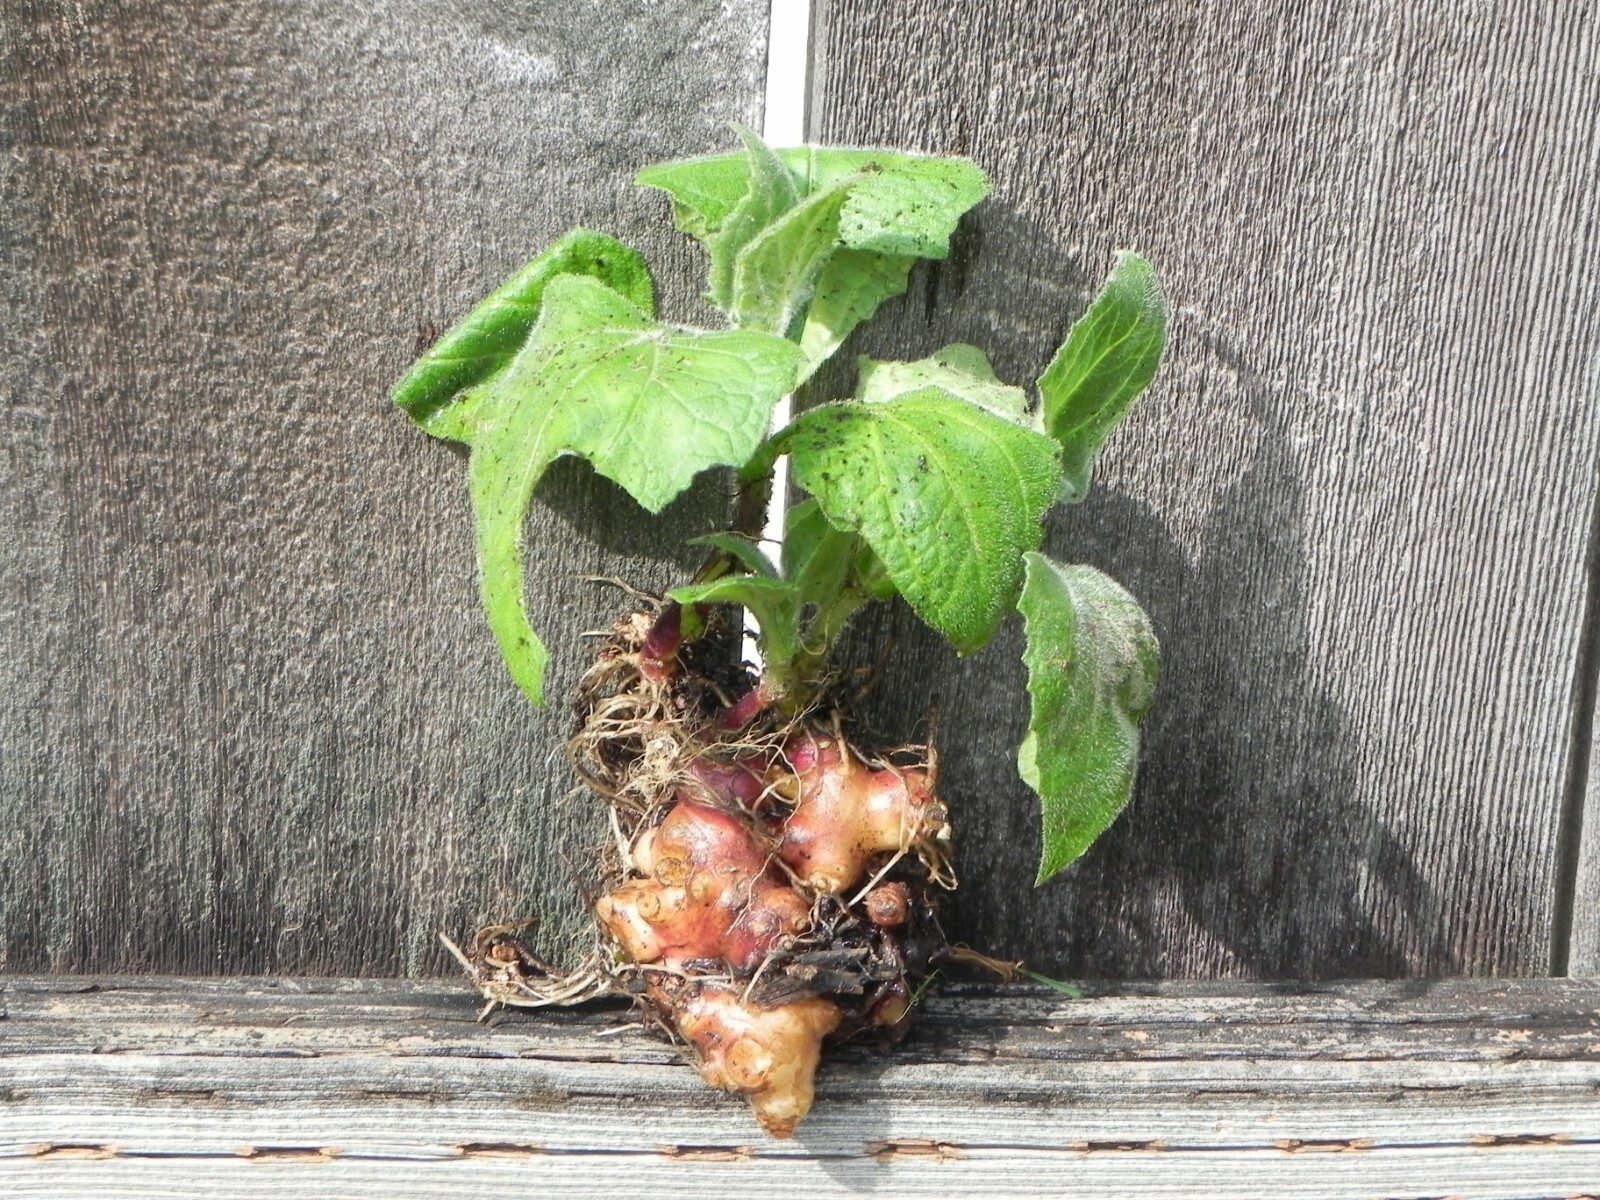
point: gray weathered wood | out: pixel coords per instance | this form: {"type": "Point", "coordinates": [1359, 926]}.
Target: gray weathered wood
{"type": "Point", "coordinates": [1358, 501]}
{"type": "Point", "coordinates": [250, 717]}
{"type": "Point", "coordinates": [137, 1086]}
{"type": "Point", "coordinates": [1582, 918]}
{"type": "Point", "coordinates": [1583, 928]}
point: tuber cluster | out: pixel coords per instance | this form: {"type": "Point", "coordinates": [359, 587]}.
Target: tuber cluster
{"type": "Point", "coordinates": [774, 890]}
{"type": "Point", "coordinates": [772, 886]}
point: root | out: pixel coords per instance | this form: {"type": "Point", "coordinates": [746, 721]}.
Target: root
{"type": "Point", "coordinates": [768, 885]}
{"type": "Point", "coordinates": [510, 976]}
{"type": "Point", "coordinates": [1003, 969]}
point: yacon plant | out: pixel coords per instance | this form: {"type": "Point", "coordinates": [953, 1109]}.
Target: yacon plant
{"type": "Point", "coordinates": [773, 882]}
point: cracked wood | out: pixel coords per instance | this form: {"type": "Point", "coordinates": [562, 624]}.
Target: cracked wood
{"type": "Point", "coordinates": [1481, 1089]}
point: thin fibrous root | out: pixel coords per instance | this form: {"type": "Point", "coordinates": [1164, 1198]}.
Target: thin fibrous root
{"type": "Point", "coordinates": [623, 585]}
{"type": "Point", "coordinates": [1004, 969]}
{"type": "Point", "coordinates": [512, 981]}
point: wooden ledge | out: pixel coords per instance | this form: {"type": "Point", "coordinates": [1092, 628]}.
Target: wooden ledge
{"type": "Point", "coordinates": [246, 1088]}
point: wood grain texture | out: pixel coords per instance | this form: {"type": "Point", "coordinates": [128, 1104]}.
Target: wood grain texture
{"type": "Point", "coordinates": [139, 1086]}
{"type": "Point", "coordinates": [1356, 503]}
{"type": "Point", "coordinates": [1578, 922]}
{"type": "Point", "coordinates": [1583, 921]}
{"type": "Point", "coordinates": [252, 718]}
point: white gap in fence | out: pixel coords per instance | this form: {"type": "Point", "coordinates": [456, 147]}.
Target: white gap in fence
{"type": "Point", "coordinates": [783, 123]}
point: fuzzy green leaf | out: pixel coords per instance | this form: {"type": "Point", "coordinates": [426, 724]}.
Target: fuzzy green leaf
{"type": "Point", "coordinates": [834, 572]}
{"type": "Point", "coordinates": [741, 550]}
{"type": "Point", "coordinates": [902, 204]}
{"type": "Point", "coordinates": [1092, 662]}
{"type": "Point", "coordinates": [816, 556]}
{"type": "Point", "coordinates": [849, 290]}
{"type": "Point", "coordinates": [769, 194]}
{"type": "Point", "coordinates": [771, 601]}
{"type": "Point", "coordinates": [648, 404]}
{"type": "Point", "coordinates": [1109, 357]}
{"type": "Point", "coordinates": [484, 342]}
{"type": "Point", "coordinates": [872, 575]}
{"type": "Point", "coordinates": [947, 494]}
{"type": "Point", "coordinates": [959, 369]}
{"type": "Point", "coordinates": [777, 271]}
{"type": "Point", "coordinates": [704, 191]}
{"type": "Point", "coordinates": [891, 209]}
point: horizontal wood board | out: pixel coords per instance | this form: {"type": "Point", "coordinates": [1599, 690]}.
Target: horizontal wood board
{"type": "Point", "coordinates": [141, 1087]}
{"type": "Point", "coordinates": [1357, 503]}
{"type": "Point", "coordinates": [250, 716]}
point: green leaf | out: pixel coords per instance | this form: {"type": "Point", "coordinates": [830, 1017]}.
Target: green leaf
{"type": "Point", "coordinates": [648, 404]}
{"type": "Point", "coordinates": [908, 204]}
{"type": "Point", "coordinates": [834, 573]}
{"type": "Point", "coordinates": [947, 494]}
{"type": "Point", "coordinates": [959, 369]}
{"type": "Point", "coordinates": [1109, 357]}
{"type": "Point", "coordinates": [776, 273]}
{"type": "Point", "coordinates": [1071, 991]}
{"type": "Point", "coordinates": [848, 291]}
{"type": "Point", "coordinates": [1092, 662]}
{"type": "Point", "coordinates": [769, 193]}
{"type": "Point", "coordinates": [742, 550]}
{"type": "Point", "coordinates": [873, 576]}
{"type": "Point", "coordinates": [816, 557]}
{"type": "Point", "coordinates": [704, 191]}
{"type": "Point", "coordinates": [903, 204]}
{"type": "Point", "coordinates": [771, 601]}
{"type": "Point", "coordinates": [894, 208]}
{"type": "Point", "coordinates": [485, 341]}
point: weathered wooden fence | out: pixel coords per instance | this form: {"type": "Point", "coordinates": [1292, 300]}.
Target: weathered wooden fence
{"type": "Point", "coordinates": [1359, 504]}
{"type": "Point", "coordinates": [251, 722]}
{"type": "Point", "coordinates": [251, 718]}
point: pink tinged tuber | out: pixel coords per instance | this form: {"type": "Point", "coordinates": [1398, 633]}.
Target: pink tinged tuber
{"type": "Point", "coordinates": [710, 891]}
{"type": "Point", "coordinates": [846, 813]}
{"type": "Point", "coordinates": [730, 880]}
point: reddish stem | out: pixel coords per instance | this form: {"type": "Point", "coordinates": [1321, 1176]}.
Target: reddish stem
{"type": "Point", "coordinates": [659, 653]}
{"type": "Point", "coordinates": [744, 710]}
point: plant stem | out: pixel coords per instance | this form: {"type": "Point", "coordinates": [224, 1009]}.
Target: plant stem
{"type": "Point", "coordinates": [825, 629]}
{"type": "Point", "coordinates": [749, 518]}
{"type": "Point", "coordinates": [745, 709]}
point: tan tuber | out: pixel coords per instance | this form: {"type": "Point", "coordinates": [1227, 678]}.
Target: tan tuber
{"type": "Point", "coordinates": [719, 891]}
{"type": "Point", "coordinates": [709, 891]}
{"type": "Point", "coordinates": [768, 1055]}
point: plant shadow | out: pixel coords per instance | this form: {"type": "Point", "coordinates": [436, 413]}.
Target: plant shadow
{"type": "Point", "coordinates": [1250, 849]}
{"type": "Point", "coordinates": [598, 511]}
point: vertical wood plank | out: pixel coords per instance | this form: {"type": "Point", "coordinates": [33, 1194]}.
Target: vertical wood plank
{"type": "Point", "coordinates": [1358, 500]}
{"type": "Point", "coordinates": [250, 717]}
{"type": "Point", "coordinates": [1578, 925]}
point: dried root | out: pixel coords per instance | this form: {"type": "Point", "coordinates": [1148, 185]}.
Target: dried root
{"type": "Point", "coordinates": [508, 973]}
